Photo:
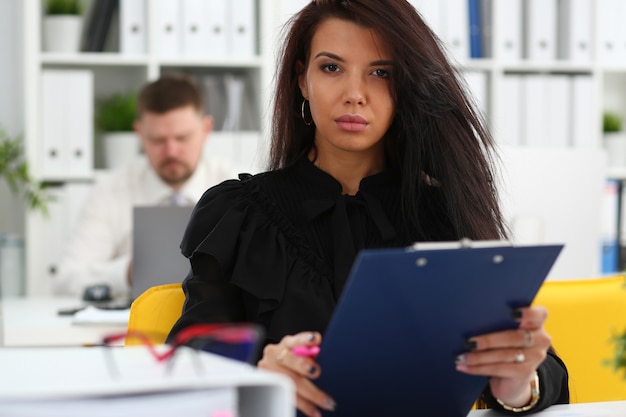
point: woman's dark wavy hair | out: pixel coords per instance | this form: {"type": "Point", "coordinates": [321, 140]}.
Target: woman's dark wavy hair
{"type": "Point", "coordinates": [436, 130]}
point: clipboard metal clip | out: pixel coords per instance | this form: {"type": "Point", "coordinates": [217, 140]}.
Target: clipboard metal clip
{"type": "Point", "coordinates": [463, 243]}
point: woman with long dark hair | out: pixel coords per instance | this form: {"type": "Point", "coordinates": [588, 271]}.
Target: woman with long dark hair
{"type": "Point", "coordinates": [374, 144]}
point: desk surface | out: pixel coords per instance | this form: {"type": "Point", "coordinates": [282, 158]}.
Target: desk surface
{"type": "Point", "coordinates": [602, 409]}
{"type": "Point", "coordinates": [34, 321]}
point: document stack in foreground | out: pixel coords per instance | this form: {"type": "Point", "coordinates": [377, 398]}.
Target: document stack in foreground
{"type": "Point", "coordinates": [100, 381]}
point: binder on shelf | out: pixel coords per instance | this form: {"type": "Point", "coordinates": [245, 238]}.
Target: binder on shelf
{"type": "Point", "coordinates": [475, 29]}
{"type": "Point", "coordinates": [101, 382]}
{"type": "Point", "coordinates": [622, 231]}
{"type": "Point", "coordinates": [606, 35]}
{"type": "Point", "coordinates": [610, 211]}
{"type": "Point", "coordinates": [620, 11]}
{"type": "Point", "coordinates": [133, 28]}
{"type": "Point", "coordinates": [486, 19]}
{"type": "Point", "coordinates": [477, 85]}
{"type": "Point", "coordinates": [79, 136]}
{"type": "Point", "coordinates": [558, 106]}
{"type": "Point", "coordinates": [63, 213]}
{"type": "Point", "coordinates": [242, 28]}
{"type": "Point", "coordinates": [511, 97]}
{"type": "Point", "coordinates": [610, 35]}
{"type": "Point", "coordinates": [575, 37]}
{"type": "Point", "coordinates": [229, 100]}
{"type": "Point", "coordinates": [169, 28]}
{"type": "Point", "coordinates": [214, 98]}
{"type": "Point", "coordinates": [507, 15]}
{"type": "Point", "coordinates": [456, 28]}
{"type": "Point", "coordinates": [74, 196]}
{"type": "Point", "coordinates": [583, 112]}
{"type": "Point", "coordinates": [53, 83]}
{"type": "Point", "coordinates": [540, 29]}
{"type": "Point", "coordinates": [535, 110]}
{"type": "Point", "coordinates": [431, 300]}
{"type": "Point", "coordinates": [67, 114]}
{"type": "Point", "coordinates": [99, 18]}
{"type": "Point", "coordinates": [217, 20]}
{"type": "Point", "coordinates": [234, 101]}
{"type": "Point", "coordinates": [194, 32]}
{"type": "Point", "coordinates": [46, 248]}
{"type": "Point", "coordinates": [204, 28]}
{"type": "Point", "coordinates": [432, 13]}
{"type": "Point", "coordinates": [249, 107]}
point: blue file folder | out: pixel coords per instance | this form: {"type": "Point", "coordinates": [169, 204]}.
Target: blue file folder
{"type": "Point", "coordinates": [406, 314]}
{"type": "Point", "coordinates": [475, 29]}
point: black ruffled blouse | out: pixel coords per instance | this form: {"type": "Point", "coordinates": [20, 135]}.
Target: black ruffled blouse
{"type": "Point", "coordinates": [276, 248]}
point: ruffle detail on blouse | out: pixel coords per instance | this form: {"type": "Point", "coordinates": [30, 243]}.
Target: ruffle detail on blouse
{"type": "Point", "coordinates": [248, 238]}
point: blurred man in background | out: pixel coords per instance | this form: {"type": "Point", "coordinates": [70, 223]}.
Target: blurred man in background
{"type": "Point", "coordinates": [173, 129]}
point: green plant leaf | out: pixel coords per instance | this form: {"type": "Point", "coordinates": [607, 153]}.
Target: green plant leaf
{"type": "Point", "coordinates": [619, 351]}
{"type": "Point", "coordinates": [611, 122]}
{"type": "Point", "coordinates": [57, 7]}
{"type": "Point", "coordinates": [14, 170]}
{"type": "Point", "coordinates": [619, 358]}
{"type": "Point", "coordinates": [116, 113]}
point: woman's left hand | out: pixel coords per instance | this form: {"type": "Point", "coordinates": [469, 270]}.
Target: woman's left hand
{"type": "Point", "coordinates": [510, 357]}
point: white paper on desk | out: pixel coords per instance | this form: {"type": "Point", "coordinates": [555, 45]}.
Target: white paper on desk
{"type": "Point", "coordinates": [80, 375]}
{"type": "Point", "coordinates": [95, 316]}
{"type": "Point", "coordinates": [587, 412]}
{"type": "Point", "coordinates": [562, 410]}
{"type": "Point", "coordinates": [196, 403]}
{"type": "Point", "coordinates": [36, 373]}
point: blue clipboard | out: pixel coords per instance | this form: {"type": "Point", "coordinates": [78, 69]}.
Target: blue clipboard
{"type": "Point", "coordinates": [406, 313]}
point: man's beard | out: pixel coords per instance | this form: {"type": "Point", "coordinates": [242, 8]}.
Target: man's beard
{"type": "Point", "coordinates": [181, 174]}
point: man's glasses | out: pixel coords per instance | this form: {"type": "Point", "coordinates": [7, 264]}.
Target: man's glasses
{"type": "Point", "coordinates": [239, 341]}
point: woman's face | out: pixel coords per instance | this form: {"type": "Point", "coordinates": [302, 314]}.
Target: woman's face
{"type": "Point", "coordinates": [348, 88]}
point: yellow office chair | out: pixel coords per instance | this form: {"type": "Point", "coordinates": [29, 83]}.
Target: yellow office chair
{"type": "Point", "coordinates": [583, 316]}
{"type": "Point", "coordinates": [154, 312]}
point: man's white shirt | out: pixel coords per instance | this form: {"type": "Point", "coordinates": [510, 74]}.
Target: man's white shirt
{"type": "Point", "coordinates": [99, 251]}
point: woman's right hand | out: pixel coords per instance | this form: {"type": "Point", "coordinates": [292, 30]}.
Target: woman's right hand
{"type": "Point", "coordinates": [280, 358]}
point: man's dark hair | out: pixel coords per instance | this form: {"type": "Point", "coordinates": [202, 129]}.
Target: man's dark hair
{"type": "Point", "coordinates": [171, 91]}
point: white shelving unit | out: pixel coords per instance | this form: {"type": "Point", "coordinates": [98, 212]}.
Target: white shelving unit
{"type": "Point", "coordinates": [564, 183]}
{"type": "Point", "coordinates": [551, 192]}
{"type": "Point", "coordinates": [116, 72]}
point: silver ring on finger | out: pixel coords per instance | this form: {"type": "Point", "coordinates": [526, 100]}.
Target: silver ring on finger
{"type": "Point", "coordinates": [528, 338]}
{"type": "Point", "coordinates": [520, 357]}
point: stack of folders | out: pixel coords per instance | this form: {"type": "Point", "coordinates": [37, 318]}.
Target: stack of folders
{"type": "Point", "coordinates": [229, 100]}
{"type": "Point", "coordinates": [101, 381]}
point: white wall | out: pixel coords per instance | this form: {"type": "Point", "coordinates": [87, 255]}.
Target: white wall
{"type": "Point", "coordinates": [11, 117]}
{"type": "Point", "coordinates": [555, 196]}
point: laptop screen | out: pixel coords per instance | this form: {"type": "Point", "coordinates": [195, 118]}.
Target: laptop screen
{"type": "Point", "coordinates": [157, 233]}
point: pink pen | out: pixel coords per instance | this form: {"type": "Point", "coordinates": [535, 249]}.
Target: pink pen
{"type": "Point", "coordinates": [306, 351]}
{"type": "Point", "coordinates": [222, 414]}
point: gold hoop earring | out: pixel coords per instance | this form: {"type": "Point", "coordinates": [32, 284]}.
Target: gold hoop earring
{"type": "Point", "coordinates": [308, 123]}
